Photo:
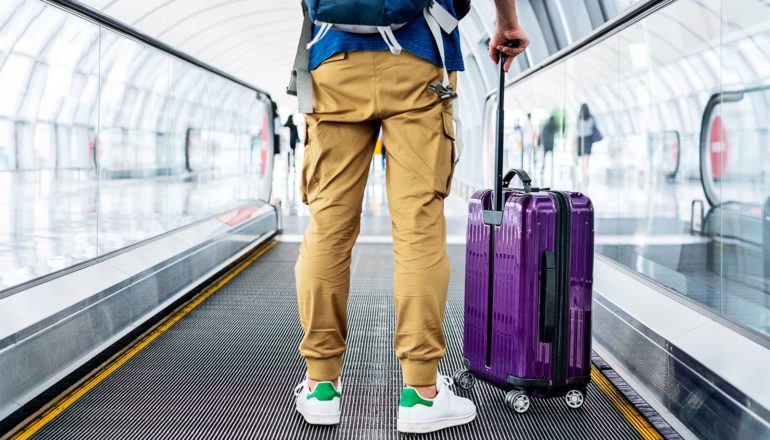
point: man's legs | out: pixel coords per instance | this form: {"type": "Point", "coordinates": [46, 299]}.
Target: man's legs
{"type": "Point", "coordinates": [341, 135]}
{"type": "Point", "coordinates": [421, 265]}
{"type": "Point", "coordinates": [334, 174]}
{"type": "Point", "coordinates": [419, 132]}
{"type": "Point", "coordinates": [349, 102]}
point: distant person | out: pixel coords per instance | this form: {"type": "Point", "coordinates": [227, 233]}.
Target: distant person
{"type": "Point", "coordinates": [293, 138]}
{"type": "Point", "coordinates": [587, 132]}
{"type": "Point", "coordinates": [546, 140]}
{"type": "Point", "coordinates": [528, 139]}
{"type": "Point", "coordinates": [359, 86]}
{"type": "Point", "coordinates": [276, 130]}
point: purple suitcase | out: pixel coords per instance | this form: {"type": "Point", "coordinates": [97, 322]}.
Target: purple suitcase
{"type": "Point", "coordinates": [528, 327]}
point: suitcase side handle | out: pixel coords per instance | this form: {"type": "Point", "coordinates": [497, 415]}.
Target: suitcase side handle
{"type": "Point", "coordinates": [548, 297]}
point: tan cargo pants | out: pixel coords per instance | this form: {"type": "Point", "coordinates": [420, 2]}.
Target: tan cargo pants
{"type": "Point", "coordinates": [354, 95]}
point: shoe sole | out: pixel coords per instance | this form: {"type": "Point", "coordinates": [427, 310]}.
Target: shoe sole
{"type": "Point", "coordinates": [320, 419]}
{"type": "Point", "coordinates": [425, 427]}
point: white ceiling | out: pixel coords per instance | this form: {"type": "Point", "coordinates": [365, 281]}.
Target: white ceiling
{"type": "Point", "coordinates": [253, 40]}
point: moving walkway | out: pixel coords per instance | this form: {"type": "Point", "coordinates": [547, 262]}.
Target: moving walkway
{"type": "Point", "coordinates": [224, 364]}
{"type": "Point", "coordinates": [186, 327]}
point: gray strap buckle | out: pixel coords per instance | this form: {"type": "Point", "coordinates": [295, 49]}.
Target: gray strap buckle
{"type": "Point", "coordinates": [443, 91]}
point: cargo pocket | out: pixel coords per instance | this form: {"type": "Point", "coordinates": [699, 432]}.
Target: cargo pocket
{"type": "Point", "coordinates": [446, 160]}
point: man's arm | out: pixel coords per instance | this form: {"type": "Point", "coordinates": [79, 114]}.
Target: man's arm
{"type": "Point", "coordinates": [507, 29]}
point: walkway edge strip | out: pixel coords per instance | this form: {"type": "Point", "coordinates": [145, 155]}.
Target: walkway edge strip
{"type": "Point", "coordinates": [626, 408]}
{"type": "Point", "coordinates": [57, 408]}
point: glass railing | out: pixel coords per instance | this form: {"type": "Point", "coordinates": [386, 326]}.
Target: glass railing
{"type": "Point", "coordinates": [107, 140]}
{"type": "Point", "coordinates": [652, 87]}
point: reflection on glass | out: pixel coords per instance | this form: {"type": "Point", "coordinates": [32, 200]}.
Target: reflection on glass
{"type": "Point", "coordinates": [47, 216]}
{"type": "Point", "coordinates": [679, 168]}
{"type": "Point", "coordinates": [679, 105]}
{"type": "Point", "coordinates": [105, 142]}
{"type": "Point", "coordinates": [735, 152]}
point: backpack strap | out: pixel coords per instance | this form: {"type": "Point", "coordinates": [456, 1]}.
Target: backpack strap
{"type": "Point", "coordinates": [390, 39]}
{"type": "Point", "coordinates": [322, 31]}
{"type": "Point", "coordinates": [301, 83]}
{"type": "Point", "coordinates": [447, 22]}
{"type": "Point", "coordinates": [439, 19]}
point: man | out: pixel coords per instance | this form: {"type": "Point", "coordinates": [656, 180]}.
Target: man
{"type": "Point", "coordinates": [358, 88]}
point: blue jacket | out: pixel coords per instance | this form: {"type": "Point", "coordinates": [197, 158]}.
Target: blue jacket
{"type": "Point", "coordinates": [415, 38]}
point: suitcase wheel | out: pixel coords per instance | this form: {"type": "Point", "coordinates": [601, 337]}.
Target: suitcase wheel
{"type": "Point", "coordinates": [464, 379]}
{"type": "Point", "coordinates": [518, 401]}
{"type": "Point", "coordinates": [574, 399]}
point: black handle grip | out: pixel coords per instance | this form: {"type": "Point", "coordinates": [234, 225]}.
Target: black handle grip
{"type": "Point", "coordinates": [548, 297]}
{"type": "Point", "coordinates": [509, 43]}
{"type": "Point", "coordinates": [521, 175]}
{"type": "Point", "coordinates": [503, 56]}
{"type": "Point", "coordinates": [513, 43]}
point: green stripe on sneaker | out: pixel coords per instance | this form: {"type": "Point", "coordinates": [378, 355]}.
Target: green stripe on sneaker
{"type": "Point", "coordinates": [324, 392]}
{"type": "Point", "coordinates": [410, 398]}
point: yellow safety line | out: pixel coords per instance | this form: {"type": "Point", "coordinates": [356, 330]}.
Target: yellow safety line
{"type": "Point", "coordinates": [626, 408]}
{"type": "Point", "coordinates": [58, 407]}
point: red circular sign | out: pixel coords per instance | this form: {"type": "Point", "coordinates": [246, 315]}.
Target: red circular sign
{"type": "Point", "coordinates": [675, 150]}
{"type": "Point", "coordinates": [719, 146]}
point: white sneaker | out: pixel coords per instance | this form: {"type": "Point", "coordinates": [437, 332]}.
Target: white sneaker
{"type": "Point", "coordinates": [322, 406]}
{"type": "Point", "coordinates": [417, 414]}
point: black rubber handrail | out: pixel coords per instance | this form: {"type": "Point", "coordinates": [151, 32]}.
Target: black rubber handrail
{"type": "Point", "coordinates": [631, 16]}
{"type": "Point", "coordinates": [92, 14]}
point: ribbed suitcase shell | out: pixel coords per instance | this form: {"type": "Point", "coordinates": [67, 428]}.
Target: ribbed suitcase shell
{"type": "Point", "coordinates": [527, 231]}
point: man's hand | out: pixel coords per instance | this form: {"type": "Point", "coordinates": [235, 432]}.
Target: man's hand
{"type": "Point", "coordinates": [504, 33]}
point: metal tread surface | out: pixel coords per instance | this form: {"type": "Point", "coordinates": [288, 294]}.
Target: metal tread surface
{"type": "Point", "coordinates": [228, 369]}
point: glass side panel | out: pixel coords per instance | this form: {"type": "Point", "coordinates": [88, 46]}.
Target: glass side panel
{"type": "Point", "coordinates": [737, 149]}
{"type": "Point", "coordinates": [47, 188]}
{"type": "Point", "coordinates": [105, 142]}
{"type": "Point", "coordinates": [664, 124]}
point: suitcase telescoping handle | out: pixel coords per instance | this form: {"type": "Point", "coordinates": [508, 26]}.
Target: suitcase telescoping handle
{"type": "Point", "coordinates": [495, 216]}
